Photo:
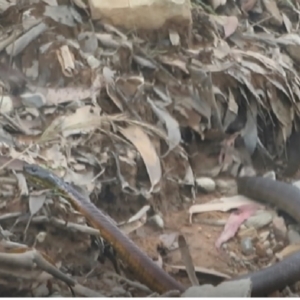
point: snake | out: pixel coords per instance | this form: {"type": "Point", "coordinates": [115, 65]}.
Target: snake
{"type": "Point", "coordinates": [265, 281]}
{"type": "Point", "coordinates": [144, 268]}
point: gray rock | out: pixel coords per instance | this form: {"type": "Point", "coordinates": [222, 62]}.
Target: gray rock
{"type": "Point", "coordinates": [206, 184]}
{"type": "Point", "coordinates": [293, 236]}
{"type": "Point", "coordinates": [239, 288]}
{"type": "Point", "coordinates": [260, 219]}
{"type": "Point", "coordinates": [279, 227]}
{"type": "Point", "coordinates": [247, 246]}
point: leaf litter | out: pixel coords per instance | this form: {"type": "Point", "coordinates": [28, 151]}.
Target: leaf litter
{"type": "Point", "coordinates": [132, 124]}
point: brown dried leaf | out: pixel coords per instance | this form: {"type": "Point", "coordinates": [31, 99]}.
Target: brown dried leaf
{"type": "Point", "coordinates": [66, 60]}
{"type": "Point", "coordinates": [187, 260]}
{"type": "Point", "coordinates": [143, 144]}
{"type": "Point", "coordinates": [84, 120]}
{"type": "Point", "coordinates": [272, 8]}
{"type": "Point", "coordinates": [229, 24]}
{"type": "Point", "coordinates": [174, 135]}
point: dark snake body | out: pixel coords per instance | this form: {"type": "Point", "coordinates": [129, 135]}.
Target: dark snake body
{"type": "Point", "coordinates": [285, 197]}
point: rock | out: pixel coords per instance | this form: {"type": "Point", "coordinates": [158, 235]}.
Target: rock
{"type": "Point", "coordinates": [263, 236]}
{"type": "Point", "coordinates": [247, 246]}
{"type": "Point", "coordinates": [297, 184]}
{"type": "Point", "coordinates": [206, 183]}
{"type": "Point", "coordinates": [293, 236]}
{"type": "Point", "coordinates": [279, 228]}
{"type": "Point", "coordinates": [40, 291]}
{"type": "Point", "coordinates": [158, 221]}
{"type": "Point", "coordinates": [271, 175]}
{"type": "Point", "coordinates": [260, 219]}
{"type": "Point", "coordinates": [248, 232]}
{"type": "Point", "coordinates": [260, 250]}
{"type": "Point", "coordinates": [266, 244]}
{"type": "Point", "coordinates": [238, 288]}
{"type": "Point", "coordinates": [227, 187]}
{"type": "Point", "coordinates": [269, 252]}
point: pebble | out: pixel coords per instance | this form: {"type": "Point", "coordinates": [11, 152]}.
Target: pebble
{"type": "Point", "coordinates": [206, 183]}
{"type": "Point", "coordinates": [279, 228]}
{"type": "Point", "coordinates": [266, 244]}
{"type": "Point", "coordinates": [233, 256]}
{"type": "Point", "coordinates": [158, 221]}
{"type": "Point", "coordinates": [293, 236]}
{"type": "Point", "coordinates": [297, 184]}
{"type": "Point", "coordinates": [40, 291]}
{"type": "Point", "coordinates": [224, 246]}
{"type": "Point", "coordinates": [247, 246]}
{"type": "Point", "coordinates": [117, 291]}
{"type": "Point", "coordinates": [248, 232]}
{"type": "Point", "coordinates": [260, 250]}
{"type": "Point", "coordinates": [227, 187]}
{"type": "Point", "coordinates": [271, 175]}
{"type": "Point", "coordinates": [264, 235]}
{"type": "Point", "coordinates": [260, 219]}
{"type": "Point", "coordinates": [269, 252]}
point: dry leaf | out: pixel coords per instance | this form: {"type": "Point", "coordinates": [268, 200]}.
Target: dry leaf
{"type": "Point", "coordinates": [84, 120]}
{"type": "Point", "coordinates": [143, 144]}
{"type": "Point", "coordinates": [66, 60]}
{"type": "Point", "coordinates": [204, 271]}
{"type": "Point", "coordinates": [187, 260]}
{"type": "Point", "coordinates": [174, 135]}
{"type": "Point", "coordinates": [36, 202]}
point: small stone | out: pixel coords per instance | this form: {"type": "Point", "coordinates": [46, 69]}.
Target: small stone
{"type": "Point", "coordinates": [243, 227]}
{"type": "Point", "coordinates": [279, 227]}
{"type": "Point", "coordinates": [228, 187]}
{"type": "Point", "coordinates": [278, 246]}
{"type": "Point", "coordinates": [293, 236]}
{"type": "Point", "coordinates": [247, 246]}
{"type": "Point", "coordinates": [206, 183]}
{"type": "Point", "coordinates": [297, 184]}
{"type": "Point", "coordinates": [266, 244]}
{"type": "Point", "coordinates": [40, 291]}
{"type": "Point", "coordinates": [248, 232]}
{"type": "Point", "coordinates": [118, 291]}
{"type": "Point", "coordinates": [158, 221]}
{"type": "Point", "coordinates": [264, 235]}
{"type": "Point", "coordinates": [271, 175]}
{"type": "Point", "coordinates": [269, 252]}
{"type": "Point", "coordinates": [260, 219]}
{"type": "Point", "coordinates": [260, 250]}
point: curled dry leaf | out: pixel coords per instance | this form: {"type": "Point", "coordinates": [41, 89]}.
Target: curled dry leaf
{"type": "Point", "coordinates": [229, 23]}
{"type": "Point", "coordinates": [66, 60]}
{"type": "Point", "coordinates": [247, 5]}
{"type": "Point", "coordinates": [187, 260]}
{"type": "Point", "coordinates": [84, 120]}
{"type": "Point", "coordinates": [143, 144]}
{"type": "Point", "coordinates": [202, 270]}
{"type": "Point", "coordinates": [36, 202]}
{"type": "Point", "coordinates": [174, 135]}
